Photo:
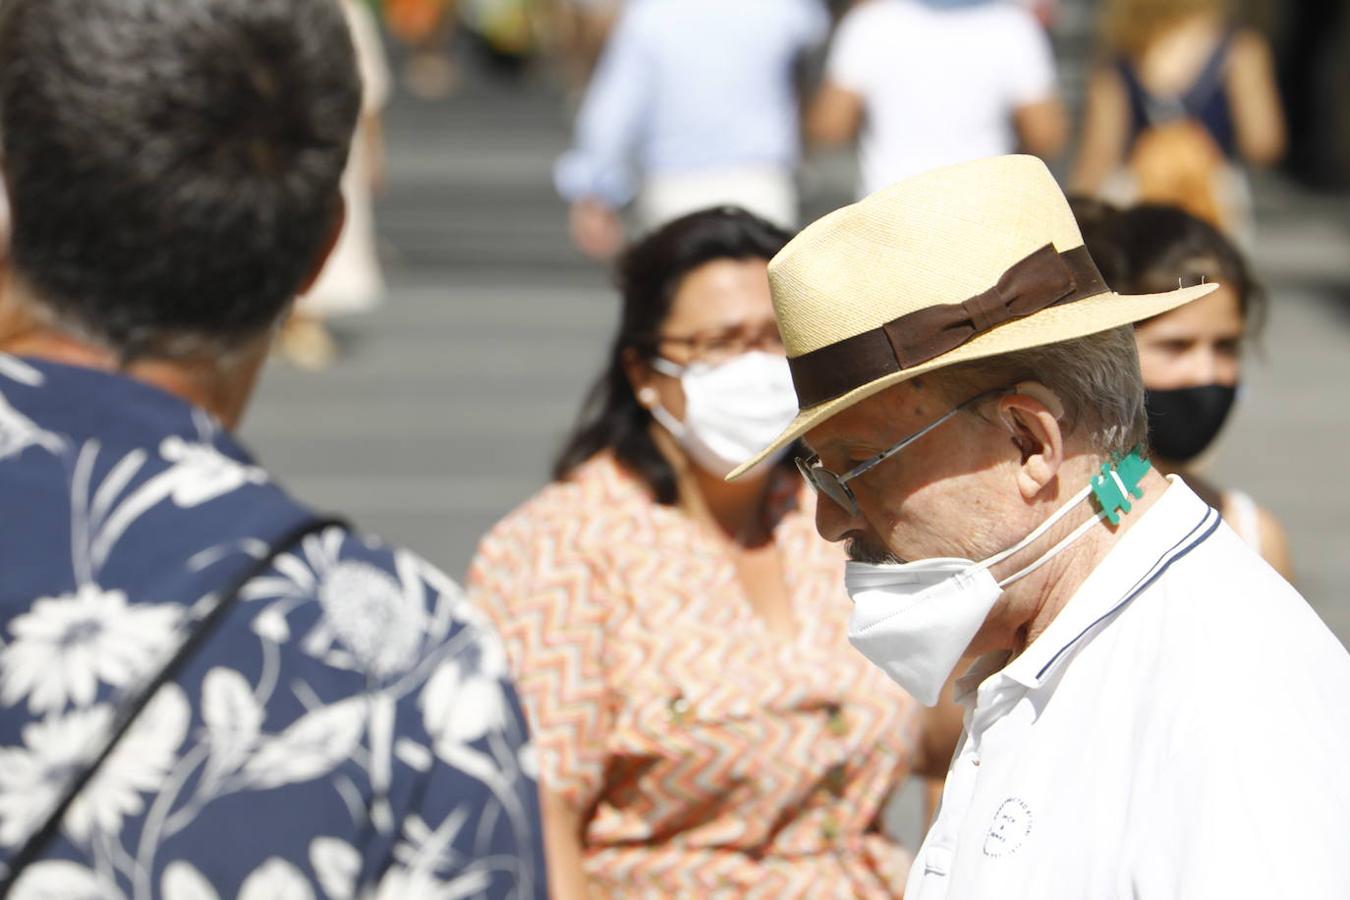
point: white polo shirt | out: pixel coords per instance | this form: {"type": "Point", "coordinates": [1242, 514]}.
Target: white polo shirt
{"type": "Point", "coordinates": [1180, 730]}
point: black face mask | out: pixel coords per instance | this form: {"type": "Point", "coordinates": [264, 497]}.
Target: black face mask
{"type": "Point", "coordinates": [1184, 421]}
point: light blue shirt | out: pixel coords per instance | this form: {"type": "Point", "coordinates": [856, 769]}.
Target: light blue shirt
{"type": "Point", "coordinates": [685, 85]}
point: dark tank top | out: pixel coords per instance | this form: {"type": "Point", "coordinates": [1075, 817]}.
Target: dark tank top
{"type": "Point", "coordinates": [1205, 101]}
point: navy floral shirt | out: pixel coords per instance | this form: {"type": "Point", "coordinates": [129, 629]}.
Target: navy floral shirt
{"type": "Point", "coordinates": [348, 732]}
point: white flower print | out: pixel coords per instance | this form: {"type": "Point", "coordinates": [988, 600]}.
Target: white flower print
{"type": "Point", "coordinates": [311, 747]}
{"type": "Point", "coordinates": [183, 882]}
{"type": "Point", "coordinates": [232, 717]}
{"type": "Point", "coordinates": [17, 370]}
{"type": "Point", "coordinates": [18, 433]}
{"type": "Point", "coordinates": [529, 760]}
{"type": "Point", "coordinates": [337, 865]}
{"type": "Point", "coordinates": [200, 472]}
{"type": "Point", "coordinates": [276, 879]}
{"type": "Point", "coordinates": [463, 699]}
{"type": "Point", "coordinates": [59, 879]}
{"type": "Point", "coordinates": [417, 884]}
{"type": "Point", "coordinates": [55, 748]}
{"type": "Point", "coordinates": [63, 647]}
{"type": "Point", "coordinates": [371, 615]}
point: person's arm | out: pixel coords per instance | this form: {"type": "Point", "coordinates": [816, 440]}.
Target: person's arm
{"type": "Point", "coordinates": [1031, 82]}
{"type": "Point", "coordinates": [1106, 126]}
{"type": "Point", "coordinates": [835, 116]}
{"type": "Point", "coordinates": [1255, 101]}
{"type": "Point", "coordinates": [564, 829]}
{"type": "Point", "coordinates": [1042, 128]}
{"type": "Point", "coordinates": [594, 176]}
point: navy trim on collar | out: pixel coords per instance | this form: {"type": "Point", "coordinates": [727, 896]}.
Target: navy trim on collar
{"type": "Point", "coordinates": [1207, 525]}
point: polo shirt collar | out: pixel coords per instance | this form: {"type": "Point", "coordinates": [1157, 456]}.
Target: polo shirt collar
{"type": "Point", "coordinates": [1170, 529]}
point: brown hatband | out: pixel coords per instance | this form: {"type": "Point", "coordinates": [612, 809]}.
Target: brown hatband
{"type": "Point", "coordinates": [1045, 278]}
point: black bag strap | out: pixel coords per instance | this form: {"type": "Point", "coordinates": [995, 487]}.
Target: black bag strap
{"type": "Point", "coordinates": [128, 712]}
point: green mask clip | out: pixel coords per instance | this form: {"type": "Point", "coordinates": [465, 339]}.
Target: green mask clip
{"type": "Point", "coordinates": [1118, 481]}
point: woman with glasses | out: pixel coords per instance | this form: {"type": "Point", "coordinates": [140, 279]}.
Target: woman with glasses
{"type": "Point", "coordinates": [702, 726]}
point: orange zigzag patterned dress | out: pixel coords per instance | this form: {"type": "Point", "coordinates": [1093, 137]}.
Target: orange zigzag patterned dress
{"type": "Point", "coordinates": [719, 760]}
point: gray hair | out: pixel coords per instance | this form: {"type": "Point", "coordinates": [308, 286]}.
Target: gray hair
{"type": "Point", "coordinates": [1095, 377]}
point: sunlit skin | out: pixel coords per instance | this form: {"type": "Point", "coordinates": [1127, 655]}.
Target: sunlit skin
{"type": "Point", "coordinates": [1193, 345]}
{"type": "Point", "coordinates": [971, 488]}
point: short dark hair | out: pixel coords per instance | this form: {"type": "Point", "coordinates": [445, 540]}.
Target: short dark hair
{"type": "Point", "coordinates": [1153, 248]}
{"type": "Point", "coordinates": [649, 275]}
{"type": "Point", "coordinates": [173, 165]}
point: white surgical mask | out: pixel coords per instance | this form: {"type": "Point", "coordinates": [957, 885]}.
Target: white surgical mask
{"type": "Point", "coordinates": [731, 410]}
{"type": "Point", "coordinates": [915, 620]}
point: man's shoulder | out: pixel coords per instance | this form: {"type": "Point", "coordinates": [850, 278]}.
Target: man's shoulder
{"type": "Point", "coordinates": [378, 609]}
{"type": "Point", "coordinates": [1234, 638]}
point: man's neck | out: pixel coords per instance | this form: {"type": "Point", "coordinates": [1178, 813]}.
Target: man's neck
{"type": "Point", "coordinates": [1040, 597]}
{"type": "Point", "coordinates": [201, 381]}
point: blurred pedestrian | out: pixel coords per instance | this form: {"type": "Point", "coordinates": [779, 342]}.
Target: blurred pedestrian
{"type": "Point", "coordinates": [206, 689]}
{"type": "Point", "coordinates": [703, 729]}
{"type": "Point", "coordinates": [1191, 357]}
{"type": "Point", "coordinates": [970, 389]}
{"type": "Point", "coordinates": [924, 83]}
{"type": "Point", "coordinates": [351, 281]}
{"type": "Point", "coordinates": [428, 29]}
{"type": "Point", "coordinates": [1183, 100]}
{"type": "Point", "coordinates": [582, 27]}
{"type": "Point", "coordinates": [693, 104]}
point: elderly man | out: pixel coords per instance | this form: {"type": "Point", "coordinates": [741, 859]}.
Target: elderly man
{"type": "Point", "coordinates": [205, 689]}
{"type": "Point", "coordinates": [1155, 713]}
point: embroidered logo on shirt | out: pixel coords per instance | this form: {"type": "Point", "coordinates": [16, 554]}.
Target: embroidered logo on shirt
{"type": "Point", "coordinates": [1011, 828]}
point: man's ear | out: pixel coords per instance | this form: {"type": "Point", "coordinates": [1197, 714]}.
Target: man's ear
{"type": "Point", "coordinates": [329, 245]}
{"type": "Point", "coordinates": [1033, 414]}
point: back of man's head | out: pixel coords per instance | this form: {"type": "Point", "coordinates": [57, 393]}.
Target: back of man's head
{"type": "Point", "coordinates": [173, 165]}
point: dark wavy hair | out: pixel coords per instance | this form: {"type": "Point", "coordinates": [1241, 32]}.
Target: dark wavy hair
{"type": "Point", "coordinates": [173, 165]}
{"type": "Point", "coordinates": [1153, 248]}
{"type": "Point", "coordinates": [648, 277]}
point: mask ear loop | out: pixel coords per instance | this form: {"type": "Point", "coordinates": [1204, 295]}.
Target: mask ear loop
{"type": "Point", "coordinates": [1054, 551]}
{"type": "Point", "coordinates": [1038, 532]}
{"type": "Point", "coordinates": [666, 367]}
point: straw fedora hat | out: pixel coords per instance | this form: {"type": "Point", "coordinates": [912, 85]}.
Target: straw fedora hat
{"type": "Point", "coordinates": [961, 263]}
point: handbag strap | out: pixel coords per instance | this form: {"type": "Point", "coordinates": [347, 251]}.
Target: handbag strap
{"type": "Point", "coordinates": [128, 712]}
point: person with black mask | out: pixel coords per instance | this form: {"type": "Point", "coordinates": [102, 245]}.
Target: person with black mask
{"type": "Point", "coordinates": [1191, 357]}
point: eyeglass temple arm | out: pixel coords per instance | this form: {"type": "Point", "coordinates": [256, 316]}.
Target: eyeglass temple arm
{"type": "Point", "coordinates": [866, 466]}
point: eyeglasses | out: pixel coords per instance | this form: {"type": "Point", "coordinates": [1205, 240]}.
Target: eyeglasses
{"type": "Point", "coordinates": [836, 486]}
{"type": "Point", "coordinates": [718, 347]}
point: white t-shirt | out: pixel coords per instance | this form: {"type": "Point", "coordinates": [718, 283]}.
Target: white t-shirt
{"type": "Point", "coordinates": [1181, 730]}
{"type": "Point", "coordinates": [938, 86]}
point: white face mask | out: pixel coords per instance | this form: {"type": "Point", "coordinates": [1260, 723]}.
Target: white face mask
{"type": "Point", "coordinates": [915, 620]}
{"type": "Point", "coordinates": [731, 410]}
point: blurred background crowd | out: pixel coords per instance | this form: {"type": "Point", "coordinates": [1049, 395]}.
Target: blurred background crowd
{"type": "Point", "coordinates": [507, 150]}
{"type": "Point", "coordinates": [509, 155]}
{"type": "Point", "coordinates": [526, 140]}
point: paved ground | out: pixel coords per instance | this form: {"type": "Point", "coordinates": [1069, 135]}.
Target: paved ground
{"type": "Point", "coordinates": [457, 391]}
